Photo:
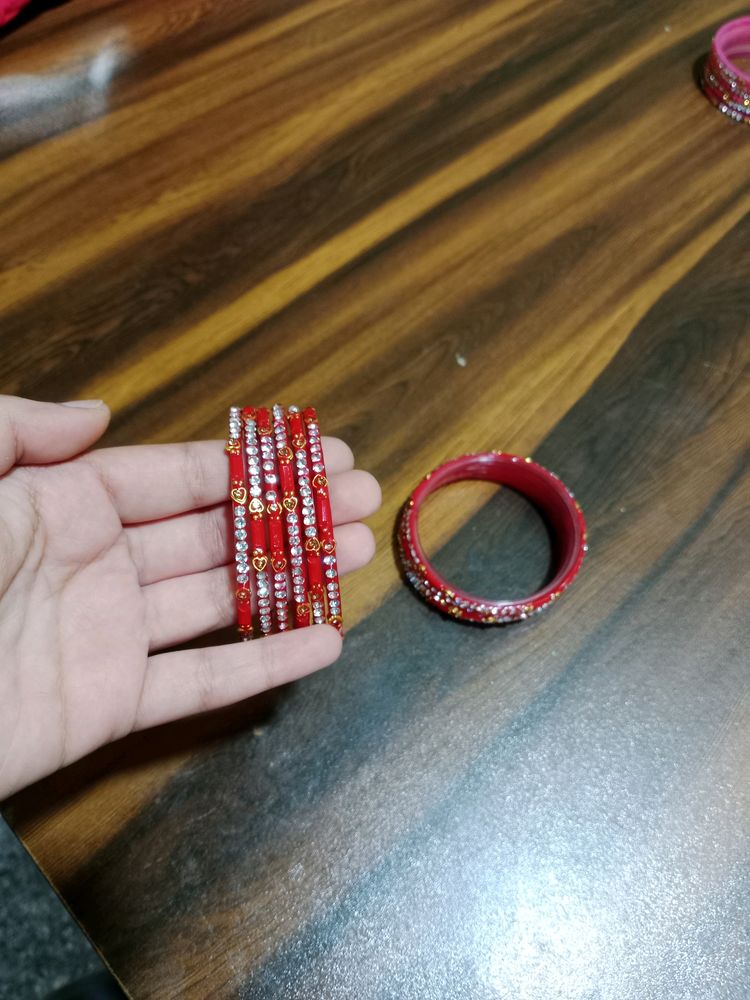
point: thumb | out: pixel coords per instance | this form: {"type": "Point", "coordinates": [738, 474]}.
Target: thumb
{"type": "Point", "coordinates": [32, 433]}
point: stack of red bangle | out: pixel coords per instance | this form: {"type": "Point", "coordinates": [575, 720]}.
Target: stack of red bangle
{"type": "Point", "coordinates": [283, 529]}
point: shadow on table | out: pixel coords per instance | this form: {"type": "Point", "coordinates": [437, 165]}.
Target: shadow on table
{"type": "Point", "coordinates": [100, 986]}
{"type": "Point", "coordinates": [175, 739]}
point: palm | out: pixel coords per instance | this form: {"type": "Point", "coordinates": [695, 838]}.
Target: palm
{"type": "Point", "coordinates": [112, 556]}
{"type": "Point", "coordinates": [73, 625]}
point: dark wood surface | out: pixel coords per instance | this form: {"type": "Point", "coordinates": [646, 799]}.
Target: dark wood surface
{"type": "Point", "coordinates": [453, 226]}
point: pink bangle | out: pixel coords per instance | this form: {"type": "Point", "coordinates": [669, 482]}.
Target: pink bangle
{"type": "Point", "coordinates": [543, 488]}
{"type": "Point", "coordinates": [724, 83]}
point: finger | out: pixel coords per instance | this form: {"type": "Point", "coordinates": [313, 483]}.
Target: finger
{"type": "Point", "coordinates": [158, 480]}
{"type": "Point", "coordinates": [186, 543]}
{"type": "Point", "coordinates": [33, 433]}
{"type": "Point", "coordinates": [200, 540]}
{"type": "Point", "coordinates": [199, 680]}
{"type": "Point", "coordinates": [187, 606]}
{"type": "Point", "coordinates": [357, 495]}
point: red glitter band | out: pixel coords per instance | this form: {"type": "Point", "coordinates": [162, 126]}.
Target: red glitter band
{"type": "Point", "coordinates": [543, 488]}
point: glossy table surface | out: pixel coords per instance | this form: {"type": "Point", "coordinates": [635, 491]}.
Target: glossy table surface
{"type": "Point", "coordinates": [452, 226]}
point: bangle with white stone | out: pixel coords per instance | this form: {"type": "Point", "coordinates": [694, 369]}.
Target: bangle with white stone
{"type": "Point", "coordinates": [238, 499]}
{"type": "Point", "coordinates": [325, 519]}
{"type": "Point", "coordinates": [309, 521]}
{"type": "Point", "coordinates": [256, 511]}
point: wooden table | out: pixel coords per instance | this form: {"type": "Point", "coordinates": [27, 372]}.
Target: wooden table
{"type": "Point", "coordinates": [454, 226]}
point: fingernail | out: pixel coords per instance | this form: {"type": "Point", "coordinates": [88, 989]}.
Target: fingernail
{"type": "Point", "coordinates": [88, 404]}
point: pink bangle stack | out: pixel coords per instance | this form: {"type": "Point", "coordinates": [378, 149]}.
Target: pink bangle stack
{"type": "Point", "coordinates": [726, 84]}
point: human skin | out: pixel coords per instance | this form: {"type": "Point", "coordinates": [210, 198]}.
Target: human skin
{"type": "Point", "coordinates": [107, 558]}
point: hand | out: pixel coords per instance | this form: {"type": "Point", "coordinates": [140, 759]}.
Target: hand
{"type": "Point", "coordinates": [109, 556]}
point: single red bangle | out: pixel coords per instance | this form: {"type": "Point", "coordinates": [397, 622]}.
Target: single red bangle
{"type": "Point", "coordinates": [725, 84]}
{"type": "Point", "coordinates": [290, 503]}
{"type": "Point", "coordinates": [309, 521]}
{"type": "Point", "coordinates": [325, 519]}
{"type": "Point", "coordinates": [256, 510]}
{"type": "Point", "coordinates": [238, 499]}
{"type": "Point", "coordinates": [543, 488]}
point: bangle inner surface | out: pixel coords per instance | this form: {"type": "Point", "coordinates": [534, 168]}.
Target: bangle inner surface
{"type": "Point", "coordinates": [505, 550]}
{"type": "Point", "coordinates": [546, 493]}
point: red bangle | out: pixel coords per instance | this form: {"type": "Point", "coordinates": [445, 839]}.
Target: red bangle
{"type": "Point", "coordinates": [724, 83]}
{"type": "Point", "coordinates": [238, 499]}
{"type": "Point", "coordinates": [256, 510]}
{"type": "Point", "coordinates": [290, 503]}
{"type": "Point", "coordinates": [325, 519]}
{"type": "Point", "coordinates": [543, 488]}
{"type": "Point", "coordinates": [309, 521]}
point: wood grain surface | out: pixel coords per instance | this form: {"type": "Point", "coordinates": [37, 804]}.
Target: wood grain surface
{"type": "Point", "coordinates": [452, 226]}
